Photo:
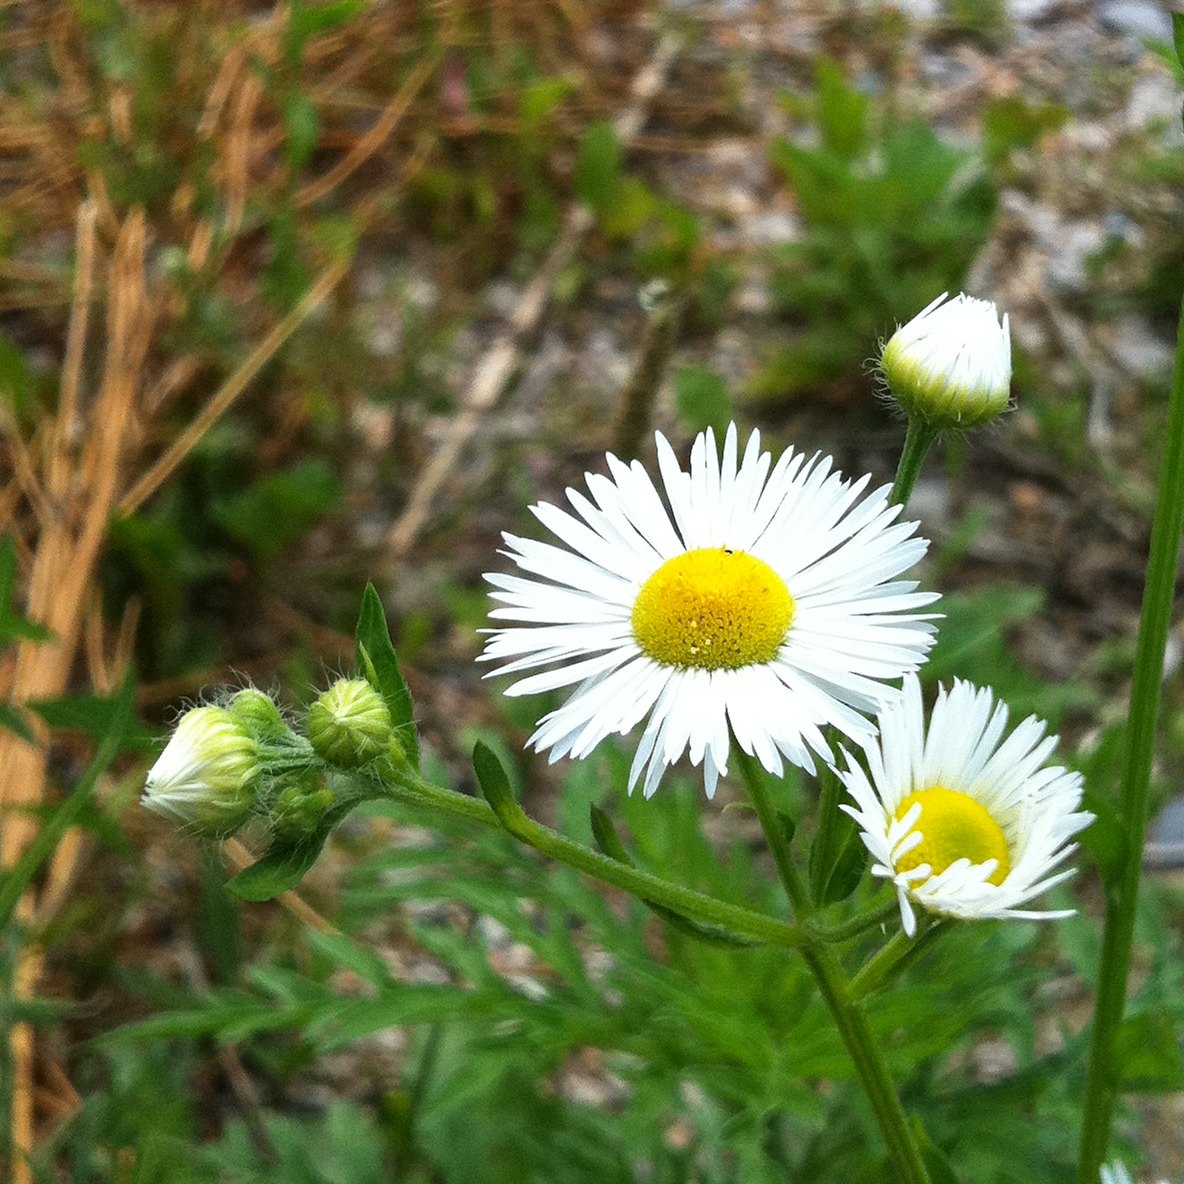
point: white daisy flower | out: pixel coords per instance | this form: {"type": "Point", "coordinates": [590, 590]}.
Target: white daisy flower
{"type": "Point", "coordinates": [760, 604]}
{"type": "Point", "coordinates": [951, 364]}
{"type": "Point", "coordinates": [962, 824]}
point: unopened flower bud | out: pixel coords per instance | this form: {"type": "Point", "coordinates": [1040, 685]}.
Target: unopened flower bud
{"type": "Point", "coordinates": [258, 714]}
{"type": "Point", "coordinates": [951, 364]}
{"type": "Point", "coordinates": [349, 725]}
{"type": "Point", "coordinates": [207, 778]}
{"type": "Point", "coordinates": [300, 804]}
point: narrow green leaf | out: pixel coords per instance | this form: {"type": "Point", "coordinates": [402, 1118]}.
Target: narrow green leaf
{"type": "Point", "coordinates": [379, 665]}
{"type": "Point", "coordinates": [67, 813]}
{"type": "Point", "coordinates": [605, 834]}
{"type": "Point", "coordinates": [1178, 35]}
{"type": "Point", "coordinates": [93, 715]}
{"type": "Point", "coordinates": [495, 786]}
{"type": "Point", "coordinates": [12, 720]}
{"type": "Point", "coordinates": [281, 868]}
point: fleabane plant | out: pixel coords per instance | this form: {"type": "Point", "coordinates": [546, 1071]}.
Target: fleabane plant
{"type": "Point", "coordinates": [757, 602]}
{"type": "Point", "coordinates": [755, 612]}
{"type": "Point", "coordinates": [962, 822]}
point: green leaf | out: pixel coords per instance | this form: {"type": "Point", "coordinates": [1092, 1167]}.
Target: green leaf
{"type": "Point", "coordinates": [495, 784]}
{"type": "Point", "coordinates": [836, 873]}
{"type": "Point", "coordinates": [378, 663]}
{"type": "Point", "coordinates": [598, 168]}
{"type": "Point", "coordinates": [12, 720]}
{"type": "Point", "coordinates": [605, 834]}
{"type": "Point", "coordinates": [47, 838]}
{"type": "Point", "coordinates": [842, 111]}
{"type": "Point", "coordinates": [302, 129]}
{"type": "Point", "coordinates": [941, 1171]}
{"type": "Point", "coordinates": [281, 508]}
{"type": "Point", "coordinates": [280, 869]}
{"type": "Point", "coordinates": [14, 627]}
{"type": "Point", "coordinates": [1147, 1055]}
{"type": "Point", "coordinates": [702, 400]}
{"type": "Point", "coordinates": [1178, 36]}
{"type": "Point", "coordinates": [94, 715]}
{"type": "Point", "coordinates": [1105, 839]}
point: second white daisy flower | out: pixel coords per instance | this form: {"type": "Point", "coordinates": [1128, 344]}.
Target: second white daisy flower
{"type": "Point", "coordinates": [760, 603]}
{"type": "Point", "coordinates": [962, 824]}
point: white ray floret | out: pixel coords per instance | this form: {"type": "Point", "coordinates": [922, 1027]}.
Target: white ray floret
{"type": "Point", "coordinates": [757, 601]}
{"type": "Point", "coordinates": [984, 796]}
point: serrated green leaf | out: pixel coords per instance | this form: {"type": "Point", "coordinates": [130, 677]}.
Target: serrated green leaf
{"type": "Point", "coordinates": [280, 869]}
{"type": "Point", "coordinates": [378, 663]}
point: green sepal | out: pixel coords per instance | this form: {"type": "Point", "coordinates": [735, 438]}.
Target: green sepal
{"type": "Point", "coordinates": [378, 663]}
{"type": "Point", "coordinates": [610, 843]}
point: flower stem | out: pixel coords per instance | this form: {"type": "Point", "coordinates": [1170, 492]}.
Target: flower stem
{"type": "Point", "coordinates": [732, 919]}
{"type": "Point", "coordinates": [1119, 926]}
{"type": "Point", "coordinates": [917, 441]}
{"type": "Point", "coordinates": [836, 991]}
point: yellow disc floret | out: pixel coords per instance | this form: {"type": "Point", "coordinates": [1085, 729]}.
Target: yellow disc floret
{"type": "Point", "coordinates": [954, 826]}
{"type": "Point", "coordinates": [712, 608]}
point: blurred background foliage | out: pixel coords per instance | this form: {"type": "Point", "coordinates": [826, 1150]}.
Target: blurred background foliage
{"type": "Point", "coordinates": [258, 264]}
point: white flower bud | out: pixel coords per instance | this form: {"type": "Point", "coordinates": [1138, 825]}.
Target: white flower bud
{"type": "Point", "coordinates": [349, 725]}
{"type": "Point", "coordinates": [951, 364]}
{"type": "Point", "coordinates": [207, 778]}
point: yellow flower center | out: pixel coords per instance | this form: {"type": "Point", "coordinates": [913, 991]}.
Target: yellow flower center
{"type": "Point", "coordinates": [712, 608]}
{"type": "Point", "coordinates": [954, 827]}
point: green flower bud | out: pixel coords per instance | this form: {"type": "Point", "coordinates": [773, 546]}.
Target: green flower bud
{"type": "Point", "coordinates": [349, 725]}
{"type": "Point", "coordinates": [299, 804]}
{"type": "Point", "coordinates": [951, 364]}
{"type": "Point", "coordinates": [207, 778]}
{"type": "Point", "coordinates": [259, 715]}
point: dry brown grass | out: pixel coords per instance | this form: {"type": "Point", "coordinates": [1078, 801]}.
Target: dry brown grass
{"type": "Point", "coordinates": [109, 442]}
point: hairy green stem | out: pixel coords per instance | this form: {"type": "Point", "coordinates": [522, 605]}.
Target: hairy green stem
{"type": "Point", "coordinates": [836, 991]}
{"type": "Point", "coordinates": [917, 441]}
{"type": "Point", "coordinates": [734, 919]}
{"type": "Point", "coordinates": [861, 923]}
{"type": "Point", "coordinates": [1121, 897]}
{"type": "Point", "coordinates": [893, 957]}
